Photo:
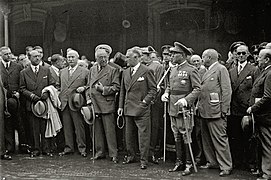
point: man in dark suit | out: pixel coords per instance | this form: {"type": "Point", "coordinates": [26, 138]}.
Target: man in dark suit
{"type": "Point", "coordinates": [138, 90]}
{"type": "Point", "coordinates": [242, 77]}
{"type": "Point", "coordinates": [72, 78]}
{"type": "Point", "coordinates": [10, 72]}
{"type": "Point", "coordinates": [149, 58]}
{"type": "Point", "coordinates": [214, 106]}
{"type": "Point", "coordinates": [260, 107]}
{"type": "Point", "coordinates": [32, 80]}
{"type": "Point", "coordinates": [182, 90]}
{"type": "Point", "coordinates": [103, 84]}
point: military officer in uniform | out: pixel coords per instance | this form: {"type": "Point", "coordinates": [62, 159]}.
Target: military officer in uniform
{"type": "Point", "coordinates": [183, 89]}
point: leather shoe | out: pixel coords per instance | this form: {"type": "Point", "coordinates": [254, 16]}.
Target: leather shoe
{"type": "Point", "coordinates": [225, 173]}
{"type": "Point", "coordinates": [209, 166]}
{"type": "Point", "coordinates": [96, 157]}
{"type": "Point", "coordinates": [143, 166]}
{"type": "Point", "coordinates": [179, 166]}
{"type": "Point", "coordinates": [115, 160]}
{"type": "Point", "coordinates": [154, 160]}
{"type": "Point", "coordinates": [6, 157]}
{"type": "Point", "coordinates": [187, 170]}
{"type": "Point", "coordinates": [64, 153]}
{"type": "Point", "coordinates": [128, 160]}
{"type": "Point", "coordinates": [35, 153]}
{"type": "Point", "coordinates": [84, 154]}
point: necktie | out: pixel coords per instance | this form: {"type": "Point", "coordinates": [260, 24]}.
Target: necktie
{"type": "Point", "coordinates": [132, 71]}
{"type": "Point", "coordinates": [240, 69]}
{"type": "Point", "coordinates": [70, 72]}
{"type": "Point", "coordinates": [36, 70]}
{"type": "Point", "coordinates": [7, 66]}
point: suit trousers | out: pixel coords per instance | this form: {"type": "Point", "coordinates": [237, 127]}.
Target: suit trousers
{"type": "Point", "coordinates": [215, 142]}
{"type": "Point", "coordinates": [105, 132]}
{"type": "Point", "coordinates": [265, 138]}
{"type": "Point", "coordinates": [73, 122]}
{"type": "Point", "coordinates": [138, 126]}
{"type": "Point", "coordinates": [38, 127]}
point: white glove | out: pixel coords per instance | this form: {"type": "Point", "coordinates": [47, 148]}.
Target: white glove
{"type": "Point", "coordinates": [80, 89]}
{"type": "Point", "coordinates": [181, 102]}
{"type": "Point", "coordinates": [164, 97]}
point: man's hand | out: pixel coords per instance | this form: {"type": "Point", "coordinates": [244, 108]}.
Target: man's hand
{"type": "Point", "coordinates": [181, 102]}
{"type": "Point", "coordinates": [120, 111]}
{"type": "Point", "coordinates": [223, 114]}
{"type": "Point", "coordinates": [249, 110]}
{"type": "Point", "coordinates": [164, 97]}
{"type": "Point", "coordinates": [44, 96]}
{"type": "Point", "coordinates": [88, 101]}
{"type": "Point", "coordinates": [34, 98]}
{"type": "Point", "coordinates": [80, 89]}
{"type": "Point", "coordinates": [99, 87]}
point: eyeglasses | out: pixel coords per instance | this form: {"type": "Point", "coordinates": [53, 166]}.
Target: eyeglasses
{"type": "Point", "coordinates": [243, 53]}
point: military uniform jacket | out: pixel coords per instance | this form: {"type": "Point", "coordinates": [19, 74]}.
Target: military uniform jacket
{"type": "Point", "coordinates": [215, 96]}
{"type": "Point", "coordinates": [68, 85]}
{"type": "Point", "coordinates": [241, 89]}
{"type": "Point", "coordinates": [261, 97]}
{"type": "Point", "coordinates": [31, 83]}
{"type": "Point", "coordinates": [103, 102]}
{"type": "Point", "coordinates": [11, 77]}
{"type": "Point", "coordinates": [184, 82]}
{"type": "Point", "coordinates": [134, 89]}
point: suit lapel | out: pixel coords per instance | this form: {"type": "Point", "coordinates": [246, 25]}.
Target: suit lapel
{"type": "Point", "coordinates": [11, 67]}
{"type": "Point", "coordinates": [209, 73]}
{"type": "Point", "coordinates": [3, 69]}
{"type": "Point", "coordinates": [41, 74]}
{"type": "Point", "coordinates": [102, 73]}
{"type": "Point", "coordinates": [75, 75]}
{"type": "Point", "coordinates": [31, 74]}
{"type": "Point", "coordinates": [242, 76]}
{"type": "Point", "coordinates": [134, 78]}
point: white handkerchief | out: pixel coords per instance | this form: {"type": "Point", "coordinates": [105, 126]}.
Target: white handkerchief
{"type": "Point", "coordinates": [249, 77]}
{"type": "Point", "coordinates": [140, 79]}
{"type": "Point", "coordinates": [44, 77]}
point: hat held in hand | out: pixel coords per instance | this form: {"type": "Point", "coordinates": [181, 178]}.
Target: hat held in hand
{"type": "Point", "coordinates": [40, 108]}
{"type": "Point", "coordinates": [76, 101]}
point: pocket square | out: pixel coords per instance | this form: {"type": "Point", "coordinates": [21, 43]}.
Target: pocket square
{"type": "Point", "coordinates": [249, 77]}
{"type": "Point", "coordinates": [140, 79]}
{"type": "Point", "coordinates": [44, 77]}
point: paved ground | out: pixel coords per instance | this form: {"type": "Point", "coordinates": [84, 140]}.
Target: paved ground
{"type": "Point", "coordinates": [77, 167]}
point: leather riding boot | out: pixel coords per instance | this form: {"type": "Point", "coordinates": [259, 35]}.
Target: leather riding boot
{"type": "Point", "coordinates": [179, 165]}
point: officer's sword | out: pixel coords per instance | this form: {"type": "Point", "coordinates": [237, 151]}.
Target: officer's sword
{"type": "Point", "coordinates": [189, 139]}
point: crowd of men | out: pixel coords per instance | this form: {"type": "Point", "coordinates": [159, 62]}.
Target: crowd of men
{"type": "Point", "coordinates": [218, 111]}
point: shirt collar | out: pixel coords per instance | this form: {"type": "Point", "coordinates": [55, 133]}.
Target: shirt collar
{"type": "Point", "coordinates": [5, 63]}
{"type": "Point", "coordinates": [34, 67]}
{"type": "Point", "coordinates": [242, 64]}
{"type": "Point", "coordinates": [136, 67]}
{"type": "Point", "coordinates": [212, 65]}
{"type": "Point", "coordinates": [55, 68]}
{"type": "Point", "coordinates": [75, 67]}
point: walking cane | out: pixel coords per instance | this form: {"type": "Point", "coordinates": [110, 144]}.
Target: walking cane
{"type": "Point", "coordinates": [93, 134]}
{"type": "Point", "coordinates": [165, 130]}
{"type": "Point", "coordinates": [189, 139]}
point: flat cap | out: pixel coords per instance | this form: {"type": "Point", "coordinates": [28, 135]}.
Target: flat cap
{"type": "Point", "coordinates": [147, 50]}
{"type": "Point", "coordinates": [235, 45]}
{"type": "Point", "coordinates": [165, 47]}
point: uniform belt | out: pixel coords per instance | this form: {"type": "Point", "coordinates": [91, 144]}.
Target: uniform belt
{"type": "Point", "coordinates": [178, 92]}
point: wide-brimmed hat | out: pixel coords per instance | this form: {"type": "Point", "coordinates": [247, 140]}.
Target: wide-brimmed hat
{"type": "Point", "coordinates": [40, 108]}
{"type": "Point", "coordinates": [12, 104]}
{"type": "Point", "coordinates": [76, 101]}
{"type": "Point", "coordinates": [247, 123]}
{"type": "Point", "coordinates": [178, 47]}
{"type": "Point", "coordinates": [88, 114]}
{"type": "Point", "coordinates": [147, 50]}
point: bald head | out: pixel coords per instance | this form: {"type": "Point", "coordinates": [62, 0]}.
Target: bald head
{"type": "Point", "coordinates": [209, 57]}
{"type": "Point", "coordinates": [264, 58]}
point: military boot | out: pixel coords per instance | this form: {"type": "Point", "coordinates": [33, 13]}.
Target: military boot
{"type": "Point", "coordinates": [179, 165]}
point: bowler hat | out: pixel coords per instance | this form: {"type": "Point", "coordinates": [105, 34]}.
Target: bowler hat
{"type": "Point", "coordinates": [76, 101]}
{"type": "Point", "coordinates": [178, 47]}
{"type": "Point", "coordinates": [40, 108]}
{"type": "Point", "coordinates": [12, 104]}
{"type": "Point", "coordinates": [106, 47]}
{"type": "Point", "coordinates": [235, 45]}
{"type": "Point", "coordinates": [119, 59]}
{"type": "Point", "coordinates": [88, 114]}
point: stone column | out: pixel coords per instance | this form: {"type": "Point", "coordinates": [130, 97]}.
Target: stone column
{"type": "Point", "coordinates": [1, 30]}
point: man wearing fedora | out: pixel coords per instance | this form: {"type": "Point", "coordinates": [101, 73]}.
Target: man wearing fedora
{"type": "Point", "coordinates": [73, 81]}
{"type": "Point", "coordinates": [214, 106]}
{"type": "Point", "coordinates": [103, 84]}
{"type": "Point", "coordinates": [150, 59]}
{"type": "Point", "coordinates": [32, 80]}
{"type": "Point", "coordinates": [183, 89]}
{"type": "Point", "coordinates": [138, 90]}
{"type": "Point", "coordinates": [10, 72]}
